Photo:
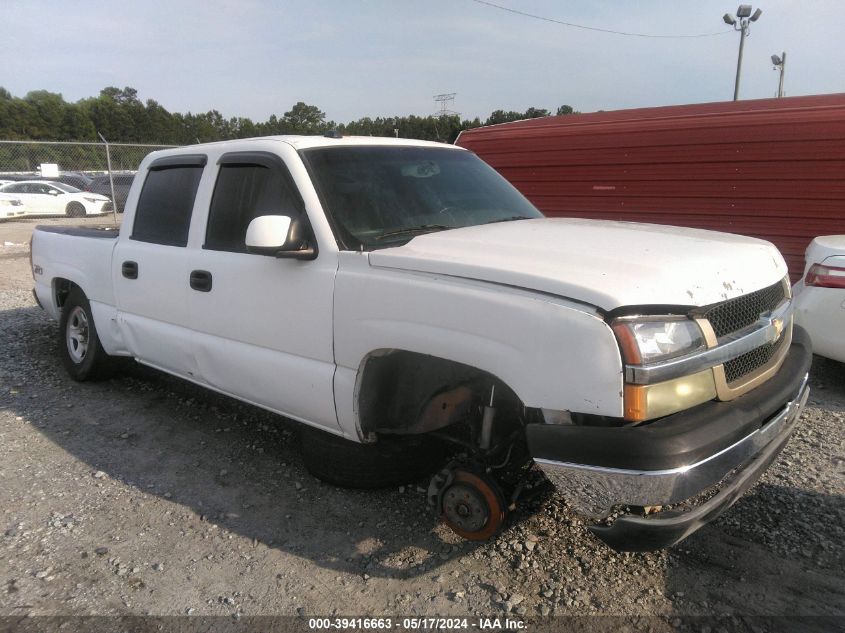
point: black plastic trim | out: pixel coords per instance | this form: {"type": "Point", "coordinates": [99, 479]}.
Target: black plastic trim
{"type": "Point", "coordinates": [201, 280]}
{"type": "Point", "coordinates": [105, 232]}
{"type": "Point", "coordinates": [264, 159]}
{"type": "Point", "coordinates": [179, 160]}
{"type": "Point", "coordinates": [129, 269]}
{"type": "Point", "coordinates": [654, 309]}
{"type": "Point", "coordinates": [680, 439]}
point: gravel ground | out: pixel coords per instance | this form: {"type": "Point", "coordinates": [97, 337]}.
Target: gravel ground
{"type": "Point", "coordinates": [146, 495]}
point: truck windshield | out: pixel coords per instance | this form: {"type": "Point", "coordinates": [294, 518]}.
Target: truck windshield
{"type": "Point", "coordinates": [377, 196]}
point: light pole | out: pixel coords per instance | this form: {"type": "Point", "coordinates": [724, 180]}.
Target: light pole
{"type": "Point", "coordinates": [744, 16]}
{"type": "Point", "coordinates": [780, 63]}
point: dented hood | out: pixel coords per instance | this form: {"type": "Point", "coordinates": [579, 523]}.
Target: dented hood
{"type": "Point", "coordinates": [605, 264]}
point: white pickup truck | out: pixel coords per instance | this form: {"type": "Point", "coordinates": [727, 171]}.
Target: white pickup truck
{"type": "Point", "coordinates": [409, 307]}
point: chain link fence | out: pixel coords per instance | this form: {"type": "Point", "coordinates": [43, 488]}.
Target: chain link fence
{"type": "Point", "coordinates": [99, 168]}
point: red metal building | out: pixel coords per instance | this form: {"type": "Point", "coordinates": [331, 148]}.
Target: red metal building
{"type": "Point", "coordinates": [769, 168]}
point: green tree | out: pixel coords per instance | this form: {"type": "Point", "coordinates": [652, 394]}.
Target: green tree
{"type": "Point", "coordinates": [45, 114]}
{"type": "Point", "coordinates": [304, 119]}
{"type": "Point", "coordinates": [536, 113]}
{"type": "Point", "coordinates": [501, 116]}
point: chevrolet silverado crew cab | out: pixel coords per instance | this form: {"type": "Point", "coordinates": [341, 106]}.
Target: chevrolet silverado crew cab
{"type": "Point", "coordinates": [420, 317]}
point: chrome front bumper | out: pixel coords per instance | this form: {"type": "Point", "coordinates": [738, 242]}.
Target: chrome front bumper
{"type": "Point", "coordinates": [594, 490]}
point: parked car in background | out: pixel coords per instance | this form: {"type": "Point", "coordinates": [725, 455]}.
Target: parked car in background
{"type": "Point", "coordinates": [820, 296]}
{"type": "Point", "coordinates": [55, 198]}
{"type": "Point", "coordinates": [122, 183]}
{"type": "Point", "coordinates": [73, 178]}
{"type": "Point", "coordinates": [10, 206]}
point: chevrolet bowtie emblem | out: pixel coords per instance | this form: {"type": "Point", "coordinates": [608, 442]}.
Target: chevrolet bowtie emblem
{"type": "Point", "coordinates": [778, 323]}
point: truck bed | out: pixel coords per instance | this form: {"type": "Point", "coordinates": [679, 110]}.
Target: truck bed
{"type": "Point", "coordinates": [82, 254]}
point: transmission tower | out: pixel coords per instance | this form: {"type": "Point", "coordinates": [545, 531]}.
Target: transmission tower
{"type": "Point", "coordinates": [445, 100]}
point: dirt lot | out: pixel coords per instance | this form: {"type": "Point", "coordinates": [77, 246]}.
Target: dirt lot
{"type": "Point", "coordinates": [146, 495]}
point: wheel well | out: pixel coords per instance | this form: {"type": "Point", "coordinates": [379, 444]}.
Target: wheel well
{"type": "Point", "coordinates": [61, 289]}
{"type": "Point", "coordinates": [409, 393]}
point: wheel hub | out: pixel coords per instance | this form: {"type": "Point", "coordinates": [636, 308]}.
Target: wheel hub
{"type": "Point", "coordinates": [464, 507]}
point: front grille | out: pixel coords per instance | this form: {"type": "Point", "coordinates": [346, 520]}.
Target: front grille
{"type": "Point", "coordinates": [752, 361]}
{"type": "Point", "coordinates": [735, 314]}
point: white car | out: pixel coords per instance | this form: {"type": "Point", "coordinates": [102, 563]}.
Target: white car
{"type": "Point", "coordinates": [42, 197]}
{"type": "Point", "coordinates": [10, 206]}
{"type": "Point", "coordinates": [820, 296]}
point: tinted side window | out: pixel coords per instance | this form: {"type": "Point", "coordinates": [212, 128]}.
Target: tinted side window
{"type": "Point", "coordinates": [244, 192]}
{"type": "Point", "coordinates": [164, 208]}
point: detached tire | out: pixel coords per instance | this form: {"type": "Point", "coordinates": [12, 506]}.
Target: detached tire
{"type": "Point", "coordinates": [392, 461]}
{"type": "Point", "coordinates": [79, 346]}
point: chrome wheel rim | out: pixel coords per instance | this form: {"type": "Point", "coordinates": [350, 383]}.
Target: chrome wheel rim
{"type": "Point", "coordinates": [77, 334]}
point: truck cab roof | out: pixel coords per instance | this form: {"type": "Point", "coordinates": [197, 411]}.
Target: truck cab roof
{"type": "Point", "coordinates": [299, 142]}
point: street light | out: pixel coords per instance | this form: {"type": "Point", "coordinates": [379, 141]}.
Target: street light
{"type": "Point", "coordinates": [780, 63]}
{"type": "Point", "coordinates": [744, 16]}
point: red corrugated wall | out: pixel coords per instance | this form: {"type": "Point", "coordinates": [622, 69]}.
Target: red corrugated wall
{"type": "Point", "coordinates": [769, 168]}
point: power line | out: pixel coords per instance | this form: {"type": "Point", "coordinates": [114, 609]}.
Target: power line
{"type": "Point", "coordinates": [593, 28]}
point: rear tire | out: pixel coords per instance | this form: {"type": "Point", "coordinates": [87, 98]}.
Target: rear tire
{"type": "Point", "coordinates": [79, 346]}
{"type": "Point", "coordinates": [392, 461]}
{"type": "Point", "coordinates": [75, 210]}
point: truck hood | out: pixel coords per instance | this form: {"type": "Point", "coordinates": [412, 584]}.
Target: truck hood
{"type": "Point", "coordinates": [602, 263]}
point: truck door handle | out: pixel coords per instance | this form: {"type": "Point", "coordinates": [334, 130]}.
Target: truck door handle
{"type": "Point", "coordinates": [130, 270]}
{"type": "Point", "coordinates": [201, 280]}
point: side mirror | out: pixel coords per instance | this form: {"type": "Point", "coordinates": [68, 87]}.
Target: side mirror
{"type": "Point", "coordinates": [53, 192]}
{"type": "Point", "coordinates": [279, 235]}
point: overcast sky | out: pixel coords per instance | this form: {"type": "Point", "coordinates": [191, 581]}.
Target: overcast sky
{"type": "Point", "coordinates": [355, 58]}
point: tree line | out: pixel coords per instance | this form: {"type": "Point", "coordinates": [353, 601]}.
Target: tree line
{"type": "Point", "coordinates": [121, 117]}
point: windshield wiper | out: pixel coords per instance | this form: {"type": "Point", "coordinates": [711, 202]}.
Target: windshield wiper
{"type": "Point", "coordinates": [510, 219]}
{"type": "Point", "coordinates": [413, 230]}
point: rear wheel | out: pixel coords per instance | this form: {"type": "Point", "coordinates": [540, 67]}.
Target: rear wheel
{"type": "Point", "coordinates": [79, 346]}
{"type": "Point", "coordinates": [75, 210]}
{"type": "Point", "coordinates": [392, 461]}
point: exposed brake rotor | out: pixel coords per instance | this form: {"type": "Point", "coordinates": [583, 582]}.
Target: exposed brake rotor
{"type": "Point", "coordinates": [472, 506]}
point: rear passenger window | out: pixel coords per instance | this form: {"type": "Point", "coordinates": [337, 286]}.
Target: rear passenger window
{"type": "Point", "coordinates": [163, 215]}
{"type": "Point", "coordinates": [244, 191]}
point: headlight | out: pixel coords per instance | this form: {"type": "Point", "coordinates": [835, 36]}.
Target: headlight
{"type": "Point", "coordinates": [93, 200]}
{"type": "Point", "coordinates": [646, 340]}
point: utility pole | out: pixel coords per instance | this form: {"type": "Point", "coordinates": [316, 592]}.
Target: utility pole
{"type": "Point", "coordinates": [780, 63]}
{"type": "Point", "coordinates": [445, 100]}
{"type": "Point", "coordinates": [744, 16]}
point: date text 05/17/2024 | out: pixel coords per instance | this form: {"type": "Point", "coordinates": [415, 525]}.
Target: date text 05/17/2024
{"type": "Point", "coordinates": [416, 623]}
